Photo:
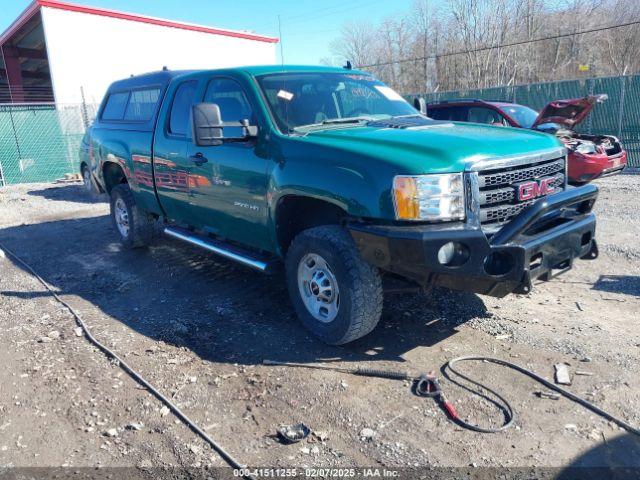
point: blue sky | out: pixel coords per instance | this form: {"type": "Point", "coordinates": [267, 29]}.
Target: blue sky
{"type": "Point", "coordinates": [308, 26]}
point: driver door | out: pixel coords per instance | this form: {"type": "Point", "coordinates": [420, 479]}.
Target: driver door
{"type": "Point", "coordinates": [229, 184]}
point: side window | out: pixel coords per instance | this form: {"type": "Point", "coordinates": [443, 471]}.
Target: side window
{"type": "Point", "coordinates": [437, 113]}
{"type": "Point", "coordinates": [455, 114]}
{"type": "Point", "coordinates": [181, 108]}
{"type": "Point", "coordinates": [116, 104]}
{"type": "Point", "coordinates": [485, 115]}
{"type": "Point", "coordinates": [142, 104]}
{"type": "Point", "coordinates": [233, 103]}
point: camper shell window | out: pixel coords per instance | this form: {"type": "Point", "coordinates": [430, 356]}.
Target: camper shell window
{"type": "Point", "coordinates": [115, 106]}
{"type": "Point", "coordinates": [136, 106]}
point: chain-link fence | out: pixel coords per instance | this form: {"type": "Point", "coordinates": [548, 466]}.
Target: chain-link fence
{"type": "Point", "coordinates": [40, 142]}
{"type": "Point", "coordinates": [619, 115]}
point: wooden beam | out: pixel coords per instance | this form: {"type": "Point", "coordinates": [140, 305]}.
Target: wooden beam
{"type": "Point", "coordinates": [27, 74]}
{"type": "Point", "coordinates": [19, 52]}
{"type": "Point", "coordinates": [32, 53]}
{"type": "Point", "coordinates": [13, 71]}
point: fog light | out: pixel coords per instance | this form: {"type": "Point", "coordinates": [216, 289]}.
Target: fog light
{"type": "Point", "coordinates": [446, 253]}
{"type": "Point", "coordinates": [453, 254]}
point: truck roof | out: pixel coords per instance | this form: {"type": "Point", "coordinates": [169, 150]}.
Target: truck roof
{"type": "Point", "coordinates": [163, 77]}
{"type": "Point", "coordinates": [270, 69]}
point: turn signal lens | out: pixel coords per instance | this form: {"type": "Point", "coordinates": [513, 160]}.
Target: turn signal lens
{"type": "Point", "coordinates": [406, 194]}
{"type": "Point", "coordinates": [429, 197]}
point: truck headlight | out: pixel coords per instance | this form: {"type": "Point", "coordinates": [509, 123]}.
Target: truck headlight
{"type": "Point", "coordinates": [437, 197]}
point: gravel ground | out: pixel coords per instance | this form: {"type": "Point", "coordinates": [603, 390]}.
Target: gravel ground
{"type": "Point", "coordinates": [198, 328]}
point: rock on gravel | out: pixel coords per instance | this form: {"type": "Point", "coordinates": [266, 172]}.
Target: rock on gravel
{"type": "Point", "coordinates": [367, 434]}
{"type": "Point", "coordinates": [562, 374]}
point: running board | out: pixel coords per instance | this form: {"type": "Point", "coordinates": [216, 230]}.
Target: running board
{"type": "Point", "coordinates": [225, 250]}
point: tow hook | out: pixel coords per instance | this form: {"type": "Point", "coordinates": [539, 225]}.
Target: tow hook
{"type": "Point", "coordinates": [593, 253]}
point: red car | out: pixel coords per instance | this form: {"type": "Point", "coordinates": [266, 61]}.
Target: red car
{"type": "Point", "coordinates": [590, 156]}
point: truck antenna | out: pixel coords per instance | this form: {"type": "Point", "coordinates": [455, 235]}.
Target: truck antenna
{"type": "Point", "coordinates": [284, 77]}
{"type": "Point", "coordinates": [281, 42]}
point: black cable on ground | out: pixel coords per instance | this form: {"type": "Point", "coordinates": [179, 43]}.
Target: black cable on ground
{"type": "Point", "coordinates": [509, 413]}
{"type": "Point", "coordinates": [536, 377]}
{"type": "Point", "coordinates": [135, 375]}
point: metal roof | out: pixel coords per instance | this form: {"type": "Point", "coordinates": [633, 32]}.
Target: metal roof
{"type": "Point", "coordinates": [36, 5]}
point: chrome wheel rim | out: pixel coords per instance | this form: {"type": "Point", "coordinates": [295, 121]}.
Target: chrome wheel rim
{"type": "Point", "coordinates": [86, 178]}
{"type": "Point", "coordinates": [121, 216]}
{"type": "Point", "coordinates": [318, 288]}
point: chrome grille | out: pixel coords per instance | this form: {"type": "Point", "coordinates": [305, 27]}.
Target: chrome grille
{"type": "Point", "coordinates": [498, 189]}
{"type": "Point", "coordinates": [494, 179]}
{"type": "Point", "coordinates": [502, 213]}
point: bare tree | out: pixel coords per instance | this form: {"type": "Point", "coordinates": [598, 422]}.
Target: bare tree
{"type": "Point", "coordinates": [357, 43]}
{"type": "Point", "coordinates": [417, 51]}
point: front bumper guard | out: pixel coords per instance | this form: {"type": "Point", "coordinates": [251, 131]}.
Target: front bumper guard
{"type": "Point", "coordinates": [539, 243]}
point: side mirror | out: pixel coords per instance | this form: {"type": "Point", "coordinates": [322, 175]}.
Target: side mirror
{"type": "Point", "coordinates": [250, 131]}
{"type": "Point", "coordinates": [207, 124]}
{"type": "Point", "coordinates": [420, 104]}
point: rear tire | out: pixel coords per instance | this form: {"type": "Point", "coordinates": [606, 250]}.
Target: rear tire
{"type": "Point", "coordinates": [336, 294]}
{"type": "Point", "coordinates": [136, 227]}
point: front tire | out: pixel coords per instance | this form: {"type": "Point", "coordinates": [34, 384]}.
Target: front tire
{"type": "Point", "coordinates": [336, 294]}
{"type": "Point", "coordinates": [135, 227]}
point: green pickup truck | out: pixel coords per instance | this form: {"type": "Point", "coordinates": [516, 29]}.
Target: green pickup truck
{"type": "Point", "coordinates": [333, 176]}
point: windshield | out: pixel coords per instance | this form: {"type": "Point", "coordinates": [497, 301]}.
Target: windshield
{"type": "Point", "coordinates": [525, 116]}
{"type": "Point", "coordinates": [300, 102]}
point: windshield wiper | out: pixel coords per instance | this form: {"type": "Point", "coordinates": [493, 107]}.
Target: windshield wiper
{"type": "Point", "coordinates": [333, 121]}
{"type": "Point", "coordinates": [338, 121]}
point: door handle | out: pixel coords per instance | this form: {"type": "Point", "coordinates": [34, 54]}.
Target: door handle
{"type": "Point", "coordinates": [199, 159]}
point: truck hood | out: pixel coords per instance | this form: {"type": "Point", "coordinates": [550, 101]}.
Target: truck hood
{"type": "Point", "coordinates": [568, 113]}
{"type": "Point", "coordinates": [429, 146]}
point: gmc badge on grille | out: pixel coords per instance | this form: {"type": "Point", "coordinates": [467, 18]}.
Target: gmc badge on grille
{"type": "Point", "coordinates": [535, 188]}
